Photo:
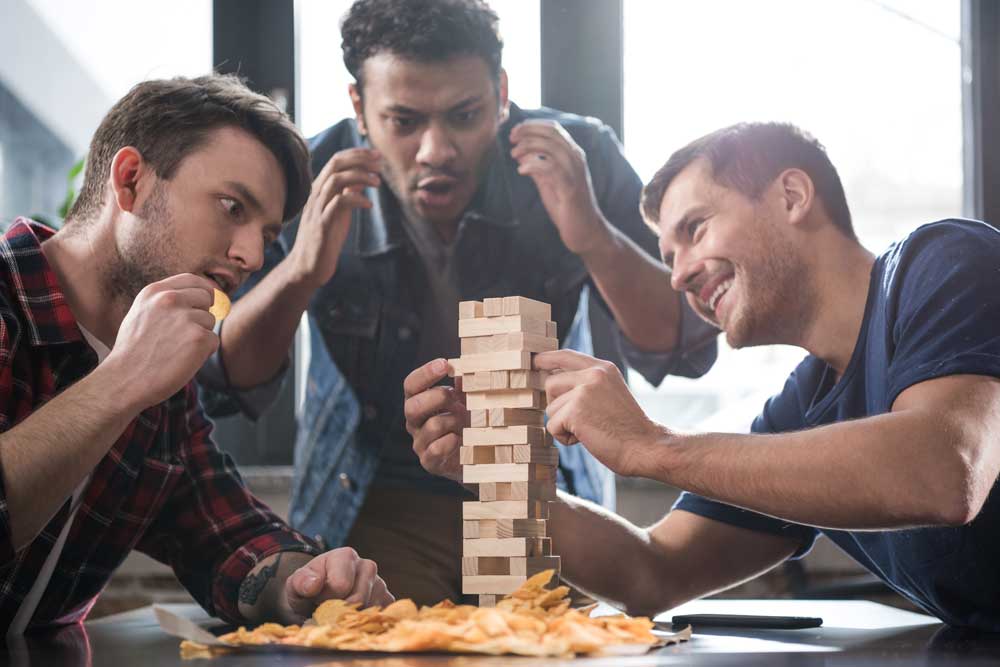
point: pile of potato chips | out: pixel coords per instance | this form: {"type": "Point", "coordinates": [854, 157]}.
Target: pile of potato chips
{"type": "Point", "coordinates": [533, 621]}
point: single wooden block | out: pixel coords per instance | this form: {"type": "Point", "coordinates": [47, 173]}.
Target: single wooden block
{"type": "Point", "coordinates": [499, 379]}
{"type": "Point", "coordinates": [505, 435]}
{"type": "Point", "coordinates": [521, 379]}
{"type": "Point", "coordinates": [480, 381]}
{"type": "Point", "coordinates": [479, 418]}
{"type": "Point", "coordinates": [511, 398]}
{"type": "Point", "coordinates": [546, 456]}
{"type": "Point", "coordinates": [518, 528]}
{"type": "Point", "coordinates": [497, 361]}
{"type": "Point", "coordinates": [550, 330]}
{"type": "Point", "coordinates": [505, 509]}
{"type": "Point", "coordinates": [487, 601]}
{"type": "Point", "coordinates": [508, 341]}
{"type": "Point", "coordinates": [470, 309]}
{"type": "Point", "coordinates": [499, 585]}
{"type": "Point", "coordinates": [488, 491]}
{"type": "Point", "coordinates": [474, 456]}
{"type": "Point", "coordinates": [516, 417]}
{"type": "Point", "coordinates": [519, 305]}
{"type": "Point", "coordinates": [493, 307]}
{"type": "Point", "coordinates": [510, 546]}
{"type": "Point", "coordinates": [506, 472]}
{"type": "Point", "coordinates": [470, 531]}
{"type": "Point", "coordinates": [533, 565]}
{"type": "Point", "coordinates": [505, 491]}
{"type": "Point", "coordinates": [503, 453]}
{"type": "Point", "coordinates": [489, 326]}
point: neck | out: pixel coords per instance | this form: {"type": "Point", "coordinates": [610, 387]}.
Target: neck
{"type": "Point", "coordinates": [76, 256]}
{"type": "Point", "coordinates": [842, 280]}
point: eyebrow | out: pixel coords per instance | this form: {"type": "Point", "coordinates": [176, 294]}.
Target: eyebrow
{"type": "Point", "coordinates": [403, 109]}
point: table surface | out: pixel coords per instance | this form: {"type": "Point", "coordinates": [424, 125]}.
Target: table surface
{"type": "Point", "coordinates": [853, 633]}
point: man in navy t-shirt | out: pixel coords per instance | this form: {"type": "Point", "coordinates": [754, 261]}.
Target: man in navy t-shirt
{"type": "Point", "coordinates": [886, 438]}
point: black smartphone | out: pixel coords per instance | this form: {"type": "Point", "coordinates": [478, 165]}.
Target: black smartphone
{"type": "Point", "coordinates": [744, 621]}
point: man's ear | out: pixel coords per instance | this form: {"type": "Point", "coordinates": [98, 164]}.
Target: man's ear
{"type": "Point", "coordinates": [127, 168]}
{"type": "Point", "coordinates": [359, 110]}
{"type": "Point", "coordinates": [797, 194]}
{"type": "Point", "coordinates": [504, 100]}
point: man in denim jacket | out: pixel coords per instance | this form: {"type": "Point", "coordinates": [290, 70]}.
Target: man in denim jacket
{"type": "Point", "coordinates": [438, 191]}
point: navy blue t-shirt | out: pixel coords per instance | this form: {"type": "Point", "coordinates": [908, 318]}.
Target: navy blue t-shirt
{"type": "Point", "coordinates": [933, 310]}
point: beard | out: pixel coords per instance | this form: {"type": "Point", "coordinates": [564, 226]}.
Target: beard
{"type": "Point", "coordinates": [145, 257]}
{"type": "Point", "coordinates": [778, 298]}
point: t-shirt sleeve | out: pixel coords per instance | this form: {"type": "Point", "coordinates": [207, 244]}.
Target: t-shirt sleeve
{"type": "Point", "coordinates": [944, 304]}
{"type": "Point", "coordinates": [782, 412]}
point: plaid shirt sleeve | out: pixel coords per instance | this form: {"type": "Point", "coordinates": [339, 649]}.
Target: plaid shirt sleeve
{"type": "Point", "coordinates": [212, 531]}
{"type": "Point", "coordinates": [7, 409]}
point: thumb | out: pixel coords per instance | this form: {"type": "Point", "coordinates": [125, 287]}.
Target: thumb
{"type": "Point", "coordinates": [307, 581]}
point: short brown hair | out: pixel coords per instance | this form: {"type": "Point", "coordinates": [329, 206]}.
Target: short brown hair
{"type": "Point", "coordinates": [167, 119]}
{"type": "Point", "coordinates": [747, 157]}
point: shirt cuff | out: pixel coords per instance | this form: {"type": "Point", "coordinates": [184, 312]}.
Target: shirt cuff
{"type": "Point", "coordinates": [741, 518]}
{"type": "Point", "coordinates": [232, 572]}
{"type": "Point", "coordinates": [693, 356]}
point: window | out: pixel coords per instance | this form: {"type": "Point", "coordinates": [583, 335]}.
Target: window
{"type": "Point", "coordinates": [877, 82]}
{"type": "Point", "coordinates": [323, 79]}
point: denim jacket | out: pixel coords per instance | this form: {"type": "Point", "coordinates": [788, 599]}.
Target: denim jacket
{"type": "Point", "coordinates": [364, 324]}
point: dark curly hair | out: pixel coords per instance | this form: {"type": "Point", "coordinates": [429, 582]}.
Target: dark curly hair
{"type": "Point", "coordinates": [168, 119]}
{"type": "Point", "coordinates": [747, 157]}
{"type": "Point", "coordinates": [421, 30]}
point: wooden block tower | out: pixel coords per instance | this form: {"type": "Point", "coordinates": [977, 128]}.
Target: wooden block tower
{"type": "Point", "coordinates": [506, 450]}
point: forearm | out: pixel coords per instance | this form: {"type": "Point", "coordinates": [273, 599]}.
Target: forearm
{"type": "Point", "coordinates": [262, 592]}
{"type": "Point", "coordinates": [637, 289]}
{"type": "Point", "coordinates": [46, 456]}
{"type": "Point", "coordinates": [895, 470]}
{"type": "Point", "coordinates": [258, 333]}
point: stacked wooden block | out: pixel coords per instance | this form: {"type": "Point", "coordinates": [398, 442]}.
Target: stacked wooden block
{"type": "Point", "coordinates": [506, 450]}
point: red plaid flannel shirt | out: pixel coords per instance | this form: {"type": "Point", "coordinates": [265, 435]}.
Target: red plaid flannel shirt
{"type": "Point", "coordinates": [164, 488]}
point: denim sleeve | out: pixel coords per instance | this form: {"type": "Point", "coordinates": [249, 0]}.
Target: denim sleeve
{"type": "Point", "coordinates": [218, 397]}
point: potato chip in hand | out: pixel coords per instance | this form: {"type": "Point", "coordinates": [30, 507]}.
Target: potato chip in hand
{"type": "Point", "coordinates": [220, 308]}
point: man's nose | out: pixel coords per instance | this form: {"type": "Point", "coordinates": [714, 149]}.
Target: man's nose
{"type": "Point", "coordinates": [436, 146]}
{"type": "Point", "coordinates": [247, 249]}
{"type": "Point", "coordinates": [685, 271]}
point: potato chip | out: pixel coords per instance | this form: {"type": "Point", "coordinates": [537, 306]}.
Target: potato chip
{"type": "Point", "coordinates": [531, 621]}
{"type": "Point", "coordinates": [220, 307]}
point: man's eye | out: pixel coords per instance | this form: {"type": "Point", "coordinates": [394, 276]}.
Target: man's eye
{"type": "Point", "coordinates": [694, 226]}
{"type": "Point", "coordinates": [231, 206]}
{"type": "Point", "coordinates": [401, 122]}
{"type": "Point", "coordinates": [466, 117]}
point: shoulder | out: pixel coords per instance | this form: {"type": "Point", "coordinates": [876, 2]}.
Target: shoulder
{"type": "Point", "coordinates": [335, 138]}
{"type": "Point", "coordinates": [943, 247]}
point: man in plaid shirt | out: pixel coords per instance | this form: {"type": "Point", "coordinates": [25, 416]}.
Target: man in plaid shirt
{"type": "Point", "coordinates": [103, 445]}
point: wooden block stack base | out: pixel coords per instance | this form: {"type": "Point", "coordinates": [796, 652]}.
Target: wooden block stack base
{"type": "Point", "coordinates": [506, 450]}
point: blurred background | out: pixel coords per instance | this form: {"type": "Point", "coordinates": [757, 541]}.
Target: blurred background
{"type": "Point", "coordinates": [903, 93]}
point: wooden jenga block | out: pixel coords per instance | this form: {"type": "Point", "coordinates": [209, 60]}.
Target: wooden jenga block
{"type": "Point", "coordinates": [470, 309]}
{"type": "Point", "coordinates": [487, 601]}
{"type": "Point", "coordinates": [488, 492]}
{"type": "Point", "coordinates": [509, 546]}
{"type": "Point", "coordinates": [479, 418]}
{"type": "Point", "coordinates": [476, 456]}
{"type": "Point", "coordinates": [502, 453]}
{"type": "Point", "coordinates": [516, 417]}
{"type": "Point", "coordinates": [546, 456]}
{"type": "Point", "coordinates": [503, 528]}
{"type": "Point", "coordinates": [519, 305]}
{"type": "Point", "coordinates": [498, 585]}
{"type": "Point", "coordinates": [499, 380]}
{"type": "Point", "coordinates": [507, 435]}
{"type": "Point", "coordinates": [504, 491]}
{"type": "Point", "coordinates": [511, 398]}
{"type": "Point", "coordinates": [506, 472]}
{"type": "Point", "coordinates": [470, 530]}
{"type": "Point", "coordinates": [493, 307]}
{"type": "Point", "coordinates": [497, 361]}
{"type": "Point", "coordinates": [489, 326]}
{"type": "Point", "coordinates": [505, 509]}
{"type": "Point", "coordinates": [509, 341]}
{"type": "Point", "coordinates": [508, 565]}
{"type": "Point", "coordinates": [526, 380]}
{"type": "Point", "coordinates": [480, 381]}
{"type": "Point", "coordinates": [550, 330]}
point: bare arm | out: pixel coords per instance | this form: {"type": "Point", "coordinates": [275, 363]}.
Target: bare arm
{"type": "Point", "coordinates": [931, 461]}
{"type": "Point", "coordinates": [165, 337]}
{"type": "Point", "coordinates": [647, 570]}
{"type": "Point", "coordinates": [259, 331]}
{"type": "Point", "coordinates": [648, 316]}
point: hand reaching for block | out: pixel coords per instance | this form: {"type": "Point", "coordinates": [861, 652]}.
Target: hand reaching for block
{"type": "Point", "coordinates": [435, 417]}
